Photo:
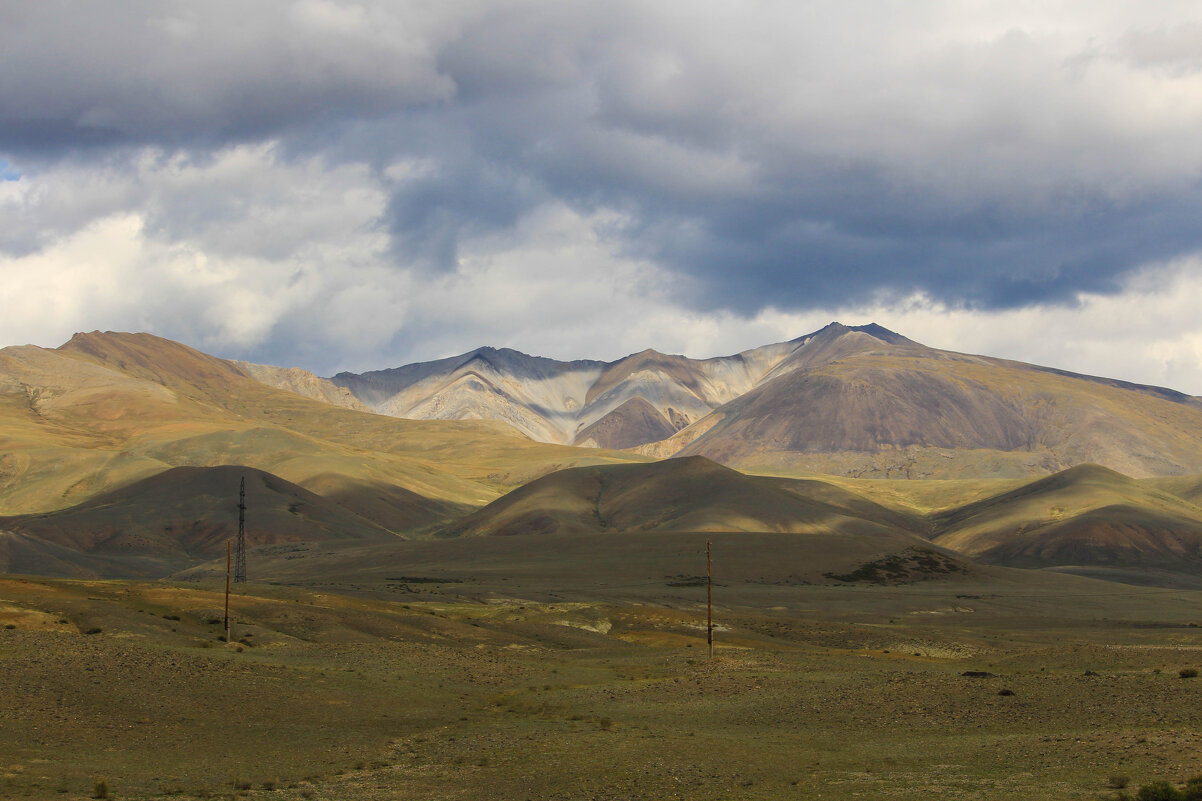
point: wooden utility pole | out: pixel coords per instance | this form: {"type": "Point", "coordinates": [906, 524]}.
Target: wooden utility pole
{"type": "Point", "coordinates": [240, 565]}
{"type": "Point", "coordinates": [227, 591]}
{"type": "Point", "coordinates": [709, 601]}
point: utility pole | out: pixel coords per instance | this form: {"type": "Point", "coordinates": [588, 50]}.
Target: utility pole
{"type": "Point", "coordinates": [240, 567]}
{"type": "Point", "coordinates": [227, 591]}
{"type": "Point", "coordinates": [709, 601]}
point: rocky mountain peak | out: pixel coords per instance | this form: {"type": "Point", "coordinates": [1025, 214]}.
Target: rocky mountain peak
{"type": "Point", "coordinates": [836, 329]}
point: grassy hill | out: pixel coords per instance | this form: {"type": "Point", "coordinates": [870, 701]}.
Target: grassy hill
{"type": "Point", "coordinates": [1087, 515]}
{"type": "Point", "coordinates": [688, 494]}
{"type": "Point", "coordinates": [108, 409]}
{"type": "Point", "coordinates": [184, 515]}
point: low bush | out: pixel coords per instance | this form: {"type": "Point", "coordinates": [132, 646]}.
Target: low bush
{"type": "Point", "coordinates": [1164, 791]}
{"type": "Point", "coordinates": [1157, 791]}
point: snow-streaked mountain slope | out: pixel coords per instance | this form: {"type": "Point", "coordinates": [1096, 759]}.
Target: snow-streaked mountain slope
{"type": "Point", "coordinates": [578, 402]}
{"type": "Point", "coordinates": [860, 401]}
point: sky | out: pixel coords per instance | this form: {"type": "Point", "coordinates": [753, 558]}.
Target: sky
{"type": "Point", "coordinates": [357, 185]}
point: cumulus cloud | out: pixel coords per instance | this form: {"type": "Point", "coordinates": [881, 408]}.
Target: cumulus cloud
{"type": "Point", "coordinates": [347, 184]}
{"type": "Point", "coordinates": [217, 252]}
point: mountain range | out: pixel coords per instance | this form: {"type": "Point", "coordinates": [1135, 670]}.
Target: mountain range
{"type": "Point", "coordinates": [120, 456]}
{"type": "Point", "coordinates": [845, 400]}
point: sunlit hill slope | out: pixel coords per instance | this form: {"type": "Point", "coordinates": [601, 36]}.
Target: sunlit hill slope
{"type": "Point", "coordinates": [107, 409]}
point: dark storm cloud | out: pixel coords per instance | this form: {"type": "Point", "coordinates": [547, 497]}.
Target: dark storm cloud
{"type": "Point", "coordinates": [798, 158]}
{"type": "Point", "coordinates": [857, 245]}
{"type": "Point", "coordinates": [83, 75]}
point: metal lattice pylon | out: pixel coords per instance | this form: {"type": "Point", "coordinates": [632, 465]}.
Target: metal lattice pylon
{"type": "Point", "coordinates": [240, 558]}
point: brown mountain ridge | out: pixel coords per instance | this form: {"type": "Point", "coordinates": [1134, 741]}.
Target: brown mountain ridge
{"type": "Point", "coordinates": [846, 400]}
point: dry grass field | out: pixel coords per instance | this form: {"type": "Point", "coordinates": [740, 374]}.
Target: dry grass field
{"type": "Point", "coordinates": [433, 684]}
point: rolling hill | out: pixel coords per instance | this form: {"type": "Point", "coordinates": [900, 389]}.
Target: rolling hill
{"type": "Point", "coordinates": [107, 409]}
{"type": "Point", "coordinates": [1087, 516]}
{"type": "Point", "coordinates": [640, 530]}
{"type": "Point", "coordinates": [692, 494]}
{"type": "Point", "coordinates": [175, 519]}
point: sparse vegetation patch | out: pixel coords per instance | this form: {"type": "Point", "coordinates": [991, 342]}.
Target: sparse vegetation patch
{"type": "Point", "coordinates": [1165, 791]}
{"type": "Point", "coordinates": [913, 564]}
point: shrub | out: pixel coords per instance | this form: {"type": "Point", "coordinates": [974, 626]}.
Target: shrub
{"type": "Point", "coordinates": [1159, 791]}
{"type": "Point", "coordinates": [1188, 673]}
{"type": "Point", "coordinates": [95, 630]}
{"type": "Point", "coordinates": [1117, 782]}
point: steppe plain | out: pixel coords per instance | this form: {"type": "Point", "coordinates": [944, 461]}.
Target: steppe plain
{"type": "Point", "coordinates": [855, 656]}
{"type": "Point", "coordinates": [414, 690]}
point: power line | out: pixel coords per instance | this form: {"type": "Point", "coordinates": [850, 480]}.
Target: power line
{"type": "Point", "coordinates": [989, 596]}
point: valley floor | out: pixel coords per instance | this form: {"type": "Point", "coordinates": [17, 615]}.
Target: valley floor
{"type": "Point", "coordinates": [329, 695]}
